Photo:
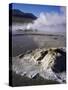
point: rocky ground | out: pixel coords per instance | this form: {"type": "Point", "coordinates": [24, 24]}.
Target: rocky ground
{"type": "Point", "coordinates": [49, 64]}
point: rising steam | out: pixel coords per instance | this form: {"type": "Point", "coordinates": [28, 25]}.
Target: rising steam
{"type": "Point", "coordinates": [49, 21]}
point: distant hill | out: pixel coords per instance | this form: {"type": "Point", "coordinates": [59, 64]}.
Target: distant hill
{"type": "Point", "coordinates": [19, 16]}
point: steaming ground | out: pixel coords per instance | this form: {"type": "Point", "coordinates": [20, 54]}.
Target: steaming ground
{"type": "Point", "coordinates": [23, 42]}
{"type": "Point", "coordinates": [51, 28]}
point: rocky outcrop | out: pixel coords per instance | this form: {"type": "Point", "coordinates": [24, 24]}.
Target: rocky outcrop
{"type": "Point", "coordinates": [47, 63]}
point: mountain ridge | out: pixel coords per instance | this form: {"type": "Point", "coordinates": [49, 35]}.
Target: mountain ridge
{"type": "Point", "coordinates": [19, 13]}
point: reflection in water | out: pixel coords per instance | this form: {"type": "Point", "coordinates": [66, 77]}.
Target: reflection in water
{"type": "Point", "coordinates": [23, 43]}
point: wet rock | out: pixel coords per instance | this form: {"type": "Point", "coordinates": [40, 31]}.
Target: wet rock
{"type": "Point", "coordinates": [60, 62]}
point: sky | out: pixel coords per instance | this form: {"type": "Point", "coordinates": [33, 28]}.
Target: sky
{"type": "Point", "coordinates": [50, 18]}
{"type": "Point", "coordinates": [36, 9]}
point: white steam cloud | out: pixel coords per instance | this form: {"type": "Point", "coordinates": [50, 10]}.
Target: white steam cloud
{"type": "Point", "coordinates": [50, 22]}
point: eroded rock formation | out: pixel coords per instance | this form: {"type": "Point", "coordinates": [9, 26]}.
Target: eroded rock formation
{"type": "Point", "coordinates": [47, 63]}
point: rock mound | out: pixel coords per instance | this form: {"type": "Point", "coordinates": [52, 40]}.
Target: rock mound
{"type": "Point", "coordinates": [48, 63]}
